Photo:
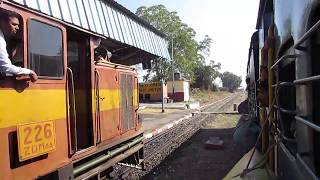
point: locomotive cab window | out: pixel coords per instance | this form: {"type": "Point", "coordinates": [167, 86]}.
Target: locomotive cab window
{"type": "Point", "coordinates": [45, 49]}
{"type": "Point", "coordinates": [14, 38]}
{"type": "Point", "coordinates": [15, 46]}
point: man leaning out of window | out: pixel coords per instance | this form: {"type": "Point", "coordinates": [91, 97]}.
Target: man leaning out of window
{"type": "Point", "coordinates": [9, 25]}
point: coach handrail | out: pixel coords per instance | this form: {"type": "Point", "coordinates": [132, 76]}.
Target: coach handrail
{"type": "Point", "coordinates": [73, 108]}
{"type": "Point", "coordinates": [315, 27]}
{"type": "Point", "coordinates": [289, 56]}
{"type": "Point", "coordinates": [97, 108]}
{"type": "Point", "coordinates": [307, 80]}
{"type": "Point", "coordinates": [308, 123]}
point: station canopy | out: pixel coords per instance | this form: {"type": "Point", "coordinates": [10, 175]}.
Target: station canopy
{"type": "Point", "coordinates": [130, 39]}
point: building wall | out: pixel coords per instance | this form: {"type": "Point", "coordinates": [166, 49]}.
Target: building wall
{"type": "Point", "coordinates": [181, 89]}
{"type": "Point", "coordinates": [186, 86]}
{"type": "Point", "coordinates": [152, 91]}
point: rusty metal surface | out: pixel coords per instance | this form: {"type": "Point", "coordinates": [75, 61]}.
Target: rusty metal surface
{"type": "Point", "coordinates": [126, 100]}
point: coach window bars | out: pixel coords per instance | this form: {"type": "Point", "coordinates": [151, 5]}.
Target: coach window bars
{"type": "Point", "coordinates": [302, 81]}
{"type": "Point", "coordinates": [281, 110]}
{"type": "Point", "coordinates": [285, 115]}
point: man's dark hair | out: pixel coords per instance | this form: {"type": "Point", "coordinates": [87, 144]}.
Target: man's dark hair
{"type": "Point", "coordinates": [6, 14]}
{"type": "Point", "coordinates": [100, 51]}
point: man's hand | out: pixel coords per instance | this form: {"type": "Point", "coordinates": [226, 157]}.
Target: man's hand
{"type": "Point", "coordinates": [33, 76]}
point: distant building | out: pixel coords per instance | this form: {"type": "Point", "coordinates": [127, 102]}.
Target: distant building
{"type": "Point", "coordinates": [181, 90]}
{"type": "Point", "coordinates": [152, 92]}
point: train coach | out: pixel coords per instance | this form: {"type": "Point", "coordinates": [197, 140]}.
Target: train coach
{"type": "Point", "coordinates": [80, 117]}
{"type": "Point", "coordinates": [283, 92]}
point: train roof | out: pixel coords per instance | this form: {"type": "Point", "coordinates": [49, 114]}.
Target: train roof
{"type": "Point", "coordinates": [264, 6]}
{"type": "Point", "coordinates": [132, 39]}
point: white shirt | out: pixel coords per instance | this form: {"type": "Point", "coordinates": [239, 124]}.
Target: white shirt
{"type": "Point", "coordinates": [5, 63]}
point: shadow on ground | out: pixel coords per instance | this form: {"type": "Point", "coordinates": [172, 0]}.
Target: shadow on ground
{"type": "Point", "coordinates": [192, 161]}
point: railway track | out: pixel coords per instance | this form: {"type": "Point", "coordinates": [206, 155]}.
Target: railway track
{"type": "Point", "coordinates": [163, 144]}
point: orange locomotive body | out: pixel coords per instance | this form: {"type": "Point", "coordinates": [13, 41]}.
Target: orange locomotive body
{"type": "Point", "coordinates": [78, 119]}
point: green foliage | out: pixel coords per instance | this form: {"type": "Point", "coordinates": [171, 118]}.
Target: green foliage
{"type": "Point", "coordinates": [206, 74]}
{"type": "Point", "coordinates": [204, 48]}
{"type": "Point", "coordinates": [189, 55]}
{"type": "Point", "coordinates": [230, 81]}
{"type": "Point", "coordinates": [185, 47]}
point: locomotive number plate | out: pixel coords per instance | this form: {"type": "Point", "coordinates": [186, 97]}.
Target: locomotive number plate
{"type": "Point", "coordinates": [36, 139]}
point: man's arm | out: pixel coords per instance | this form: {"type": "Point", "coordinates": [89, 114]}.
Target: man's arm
{"type": "Point", "coordinates": [7, 67]}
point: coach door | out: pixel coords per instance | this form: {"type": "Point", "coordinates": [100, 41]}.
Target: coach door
{"type": "Point", "coordinates": [79, 86]}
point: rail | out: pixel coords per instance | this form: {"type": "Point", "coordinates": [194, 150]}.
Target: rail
{"type": "Point", "coordinates": [154, 148]}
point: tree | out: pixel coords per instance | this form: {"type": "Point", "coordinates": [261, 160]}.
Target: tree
{"type": "Point", "coordinates": [185, 46]}
{"type": "Point", "coordinates": [206, 74]}
{"type": "Point", "coordinates": [230, 81]}
{"type": "Point", "coordinates": [204, 48]}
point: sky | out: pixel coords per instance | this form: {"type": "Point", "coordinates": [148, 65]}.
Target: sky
{"type": "Point", "coordinates": [230, 24]}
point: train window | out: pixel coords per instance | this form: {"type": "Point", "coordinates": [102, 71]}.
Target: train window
{"type": "Point", "coordinates": [45, 49]}
{"type": "Point", "coordinates": [15, 46]}
{"type": "Point", "coordinates": [287, 100]}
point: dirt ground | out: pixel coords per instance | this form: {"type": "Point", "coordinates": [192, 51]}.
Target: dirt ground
{"type": "Point", "coordinates": [205, 97]}
{"type": "Point", "coordinates": [192, 161]}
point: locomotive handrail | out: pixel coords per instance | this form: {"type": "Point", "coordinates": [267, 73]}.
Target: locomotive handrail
{"type": "Point", "coordinates": [97, 94]}
{"type": "Point", "coordinates": [288, 56]}
{"type": "Point", "coordinates": [307, 80]}
{"type": "Point", "coordinates": [307, 34]}
{"type": "Point", "coordinates": [308, 123]}
{"type": "Point", "coordinates": [106, 156]}
{"type": "Point", "coordinates": [74, 111]}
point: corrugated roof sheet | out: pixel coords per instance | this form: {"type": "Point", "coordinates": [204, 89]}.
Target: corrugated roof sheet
{"type": "Point", "coordinates": [106, 18]}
